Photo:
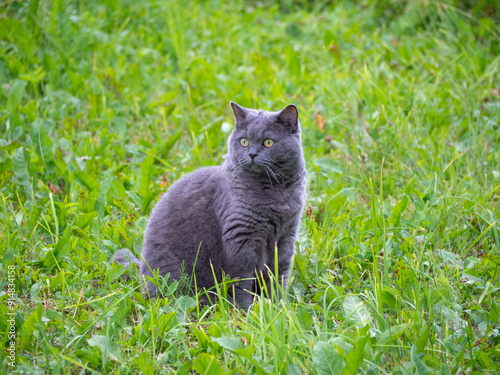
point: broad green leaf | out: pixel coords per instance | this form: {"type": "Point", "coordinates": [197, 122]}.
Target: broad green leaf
{"type": "Point", "coordinates": [171, 142]}
{"type": "Point", "coordinates": [55, 281]}
{"type": "Point", "coordinates": [293, 369]}
{"type": "Point", "coordinates": [164, 322]}
{"type": "Point", "coordinates": [86, 180]}
{"type": "Point", "coordinates": [397, 210]}
{"type": "Point", "coordinates": [328, 39]}
{"type": "Point", "coordinates": [21, 172]}
{"type": "Point", "coordinates": [303, 314]}
{"type": "Point", "coordinates": [456, 233]}
{"type": "Point", "coordinates": [114, 272]}
{"type": "Point", "coordinates": [392, 333]}
{"type": "Point", "coordinates": [185, 368]}
{"type": "Point", "coordinates": [214, 330]}
{"type": "Point", "coordinates": [246, 351]}
{"type": "Point", "coordinates": [116, 191]}
{"type": "Point", "coordinates": [120, 127]}
{"type": "Point", "coordinates": [8, 258]}
{"type": "Point", "coordinates": [444, 370]}
{"type": "Point", "coordinates": [34, 76]}
{"type": "Point", "coordinates": [34, 6]}
{"type": "Point", "coordinates": [17, 92]}
{"type": "Point", "coordinates": [104, 143]}
{"type": "Point", "coordinates": [96, 231]}
{"type": "Point", "coordinates": [448, 257]}
{"type": "Point", "coordinates": [355, 358]}
{"type": "Point", "coordinates": [453, 317]}
{"type": "Point", "coordinates": [342, 344]}
{"type": "Point", "coordinates": [62, 248]}
{"type": "Point", "coordinates": [100, 203]}
{"type": "Point", "coordinates": [326, 360]}
{"type": "Point", "coordinates": [29, 326]}
{"type": "Point", "coordinates": [328, 165]}
{"type": "Point", "coordinates": [201, 336]}
{"type": "Point", "coordinates": [422, 369]}
{"type": "Point", "coordinates": [494, 313]}
{"type": "Point", "coordinates": [43, 146]}
{"type": "Point", "coordinates": [111, 348]}
{"type": "Point", "coordinates": [144, 180]}
{"type": "Point", "coordinates": [16, 32]}
{"type": "Point", "coordinates": [207, 364]}
{"type": "Point", "coordinates": [84, 220]}
{"type": "Point", "coordinates": [388, 298]}
{"type": "Point", "coordinates": [172, 287]}
{"type": "Point", "coordinates": [145, 363]}
{"type": "Point", "coordinates": [422, 339]}
{"type": "Point", "coordinates": [229, 343]}
{"type": "Point", "coordinates": [355, 311]}
{"type": "Point", "coordinates": [185, 305]}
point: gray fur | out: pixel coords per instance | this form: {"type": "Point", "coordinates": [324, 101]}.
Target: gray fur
{"type": "Point", "coordinates": [125, 257]}
{"type": "Point", "coordinates": [234, 213]}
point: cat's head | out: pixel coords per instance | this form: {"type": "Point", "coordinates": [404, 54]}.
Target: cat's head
{"type": "Point", "coordinates": [266, 143]}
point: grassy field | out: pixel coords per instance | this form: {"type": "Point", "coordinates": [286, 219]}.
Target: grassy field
{"type": "Point", "coordinates": [104, 104]}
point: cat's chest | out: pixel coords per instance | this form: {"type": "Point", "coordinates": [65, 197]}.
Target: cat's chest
{"type": "Point", "coordinates": [267, 207]}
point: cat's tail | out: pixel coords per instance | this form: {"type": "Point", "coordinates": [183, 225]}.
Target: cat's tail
{"type": "Point", "coordinates": [125, 257]}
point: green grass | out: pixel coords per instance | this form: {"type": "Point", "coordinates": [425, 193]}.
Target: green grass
{"type": "Point", "coordinates": [103, 104]}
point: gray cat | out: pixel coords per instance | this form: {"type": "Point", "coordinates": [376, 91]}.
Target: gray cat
{"type": "Point", "coordinates": [232, 216]}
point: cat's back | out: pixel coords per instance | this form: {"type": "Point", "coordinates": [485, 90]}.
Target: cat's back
{"type": "Point", "coordinates": [195, 189]}
{"type": "Point", "coordinates": [185, 220]}
{"type": "Point", "coordinates": [188, 198]}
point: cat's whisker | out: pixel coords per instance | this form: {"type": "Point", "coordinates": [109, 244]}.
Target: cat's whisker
{"type": "Point", "coordinates": [276, 178]}
{"type": "Point", "coordinates": [265, 169]}
{"type": "Point", "coordinates": [269, 170]}
{"type": "Point", "coordinates": [276, 172]}
{"type": "Point", "coordinates": [239, 167]}
{"type": "Point", "coordinates": [275, 166]}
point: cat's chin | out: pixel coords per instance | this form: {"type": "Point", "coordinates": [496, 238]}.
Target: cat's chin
{"type": "Point", "coordinates": [255, 168]}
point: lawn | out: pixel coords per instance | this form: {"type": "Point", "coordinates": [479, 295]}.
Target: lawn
{"type": "Point", "coordinates": [104, 104]}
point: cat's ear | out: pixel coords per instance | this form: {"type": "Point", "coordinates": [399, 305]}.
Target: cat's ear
{"type": "Point", "coordinates": [290, 117]}
{"type": "Point", "coordinates": [240, 113]}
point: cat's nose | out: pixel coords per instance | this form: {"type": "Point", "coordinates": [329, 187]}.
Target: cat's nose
{"type": "Point", "coordinates": [252, 155]}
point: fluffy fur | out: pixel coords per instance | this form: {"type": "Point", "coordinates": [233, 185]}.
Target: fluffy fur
{"type": "Point", "coordinates": [230, 217]}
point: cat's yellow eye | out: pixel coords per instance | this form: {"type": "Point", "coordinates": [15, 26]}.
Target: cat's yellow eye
{"type": "Point", "coordinates": [244, 142]}
{"type": "Point", "coordinates": [268, 142]}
